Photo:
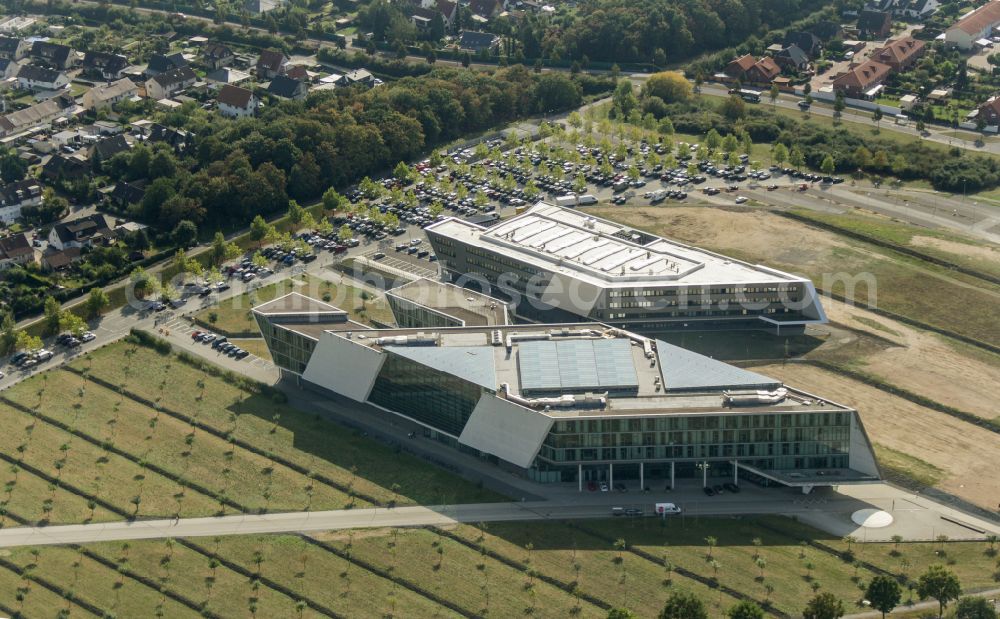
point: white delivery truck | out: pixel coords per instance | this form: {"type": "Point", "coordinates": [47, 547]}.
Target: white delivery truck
{"type": "Point", "coordinates": [567, 200]}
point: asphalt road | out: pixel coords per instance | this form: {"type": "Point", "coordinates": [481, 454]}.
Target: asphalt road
{"type": "Point", "coordinates": [915, 517]}
{"type": "Point", "coordinates": [936, 134]}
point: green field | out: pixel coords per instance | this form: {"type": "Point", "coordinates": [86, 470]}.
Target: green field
{"type": "Point", "coordinates": [856, 269]}
{"type": "Point", "coordinates": [125, 431]}
{"type": "Point", "coordinates": [544, 569]}
{"type": "Point", "coordinates": [233, 318]}
{"type": "Point", "coordinates": [888, 231]}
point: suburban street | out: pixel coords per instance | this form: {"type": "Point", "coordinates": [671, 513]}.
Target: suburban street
{"type": "Point", "coordinates": [937, 134]}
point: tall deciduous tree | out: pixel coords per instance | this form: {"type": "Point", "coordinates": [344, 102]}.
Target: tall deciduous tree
{"type": "Point", "coordinates": [884, 593]}
{"type": "Point", "coordinates": [941, 584]}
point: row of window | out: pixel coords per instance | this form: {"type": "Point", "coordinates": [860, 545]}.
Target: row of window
{"type": "Point", "coordinates": [699, 437]}
{"type": "Point", "coordinates": [680, 292]}
{"type": "Point", "coordinates": [704, 422]}
{"type": "Point", "coordinates": [783, 454]}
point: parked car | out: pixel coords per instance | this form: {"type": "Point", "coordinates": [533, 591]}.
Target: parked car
{"type": "Point", "coordinates": [708, 490]}
{"type": "Point", "coordinates": [88, 336]}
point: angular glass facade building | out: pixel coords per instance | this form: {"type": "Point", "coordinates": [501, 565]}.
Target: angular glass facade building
{"type": "Point", "coordinates": [576, 402]}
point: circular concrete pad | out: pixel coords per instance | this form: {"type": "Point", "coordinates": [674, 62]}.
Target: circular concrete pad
{"type": "Point", "coordinates": [872, 518]}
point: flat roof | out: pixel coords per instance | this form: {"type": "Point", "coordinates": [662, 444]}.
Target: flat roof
{"type": "Point", "coordinates": [605, 253]}
{"type": "Point", "coordinates": [295, 303]}
{"type": "Point", "coordinates": [472, 308]}
{"type": "Point", "coordinates": [670, 382]}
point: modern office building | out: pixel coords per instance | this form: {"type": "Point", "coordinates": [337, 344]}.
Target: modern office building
{"type": "Point", "coordinates": [563, 264]}
{"type": "Point", "coordinates": [426, 303]}
{"type": "Point", "coordinates": [572, 402]}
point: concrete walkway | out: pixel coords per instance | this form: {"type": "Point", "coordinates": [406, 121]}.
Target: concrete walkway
{"type": "Point", "coordinates": [931, 605]}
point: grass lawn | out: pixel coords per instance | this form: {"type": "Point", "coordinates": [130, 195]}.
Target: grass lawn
{"type": "Point", "coordinates": [908, 467]}
{"type": "Point", "coordinates": [976, 255]}
{"type": "Point", "coordinates": [464, 576]}
{"type": "Point", "coordinates": [234, 318]}
{"type": "Point", "coordinates": [368, 467]}
{"type": "Point", "coordinates": [837, 264]}
{"type": "Point", "coordinates": [500, 570]}
{"type": "Point", "coordinates": [255, 347]}
{"type": "Point", "coordinates": [158, 439]}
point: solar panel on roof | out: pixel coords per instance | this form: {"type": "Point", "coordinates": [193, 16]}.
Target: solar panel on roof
{"type": "Point", "coordinates": [576, 365]}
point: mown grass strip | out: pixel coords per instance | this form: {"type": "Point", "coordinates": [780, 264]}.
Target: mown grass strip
{"type": "Point", "coordinates": [125, 455]}
{"type": "Point", "coordinates": [882, 385]}
{"type": "Point", "coordinates": [910, 321]}
{"type": "Point", "coordinates": [227, 437]}
{"type": "Point", "coordinates": [413, 587]}
{"type": "Point", "coordinates": [521, 567]}
{"type": "Point", "coordinates": [858, 236]}
{"type": "Point", "coordinates": [70, 596]}
{"type": "Point", "coordinates": [708, 582]}
{"type": "Point", "coordinates": [276, 586]}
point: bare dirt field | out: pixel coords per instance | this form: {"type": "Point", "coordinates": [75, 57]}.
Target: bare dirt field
{"type": "Point", "coordinates": [925, 363]}
{"type": "Point", "coordinates": [917, 360]}
{"type": "Point", "coordinates": [967, 454]}
{"type": "Point", "coordinates": [976, 252]}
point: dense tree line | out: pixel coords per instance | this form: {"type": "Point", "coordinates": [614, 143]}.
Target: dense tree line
{"type": "Point", "coordinates": [948, 169]}
{"type": "Point", "coordinates": [297, 149]}
{"type": "Point", "coordinates": [656, 30]}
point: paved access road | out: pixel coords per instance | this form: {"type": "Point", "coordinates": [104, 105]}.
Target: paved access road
{"type": "Point", "coordinates": [916, 517]}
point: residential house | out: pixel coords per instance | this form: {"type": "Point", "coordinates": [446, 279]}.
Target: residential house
{"type": "Point", "coordinates": [8, 68]}
{"type": "Point", "coordinates": [13, 48]}
{"type": "Point", "coordinates": [423, 19]}
{"type": "Point", "coordinates": [487, 9]}
{"type": "Point", "coordinates": [989, 111]}
{"type": "Point", "coordinates": [159, 63]}
{"type": "Point", "coordinates": [62, 168]}
{"type": "Point", "coordinates": [288, 88]}
{"type": "Point", "coordinates": [297, 72]}
{"type": "Point", "coordinates": [260, 7]}
{"type": "Point", "coordinates": [15, 250]}
{"type": "Point", "coordinates": [907, 9]}
{"type": "Point", "coordinates": [900, 54]}
{"type": "Point", "coordinates": [792, 58]}
{"type": "Point", "coordinates": [270, 64]}
{"type": "Point", "coordinates": [107, 148]}
{"type": "Point", "coordinates": [808, 42]}
{"type": "Point", "coordinates": [874, 24]}
{"type": "Point", "coordinates": [59, 260]}
{"type": "Point", "coordinates": [178, 139]}
{"type": "Point", "coordinates": [17, 195]}
{"type": "Point", "coordinates": [34, 78]}
{"type": "Point", "coordinates": [217, 56]}
{"type": "Point", "coordinates": [357, 76]}
{"type": "Point", "coordinates": [227, 76]}
{"type": "Point", "coordinates": [126, 194]}
{"type": "Point", "coordinates": [36, 115]}
{"type": "Point", "coordinates": [737, 68]}
{"type": "Point", "coordinates": [478, 41]}
{"type": "Point", "coordinates": [83, 232]}
{"type": "Point", "coordinates": [975, 25]}
{"type": "Point", "coordinates": [446, 8]}
{"type": "Point", "coordinates": [54, 55]}
{"type": "Point", "coordinates": [166, 85]}
{"type": "Point", "coordinates": [862, 80]}
{"type": "Point", "coordinates": [237, 102]}
{"type": "Point", "coordinates": [104, 65]}
{"type": "Point", "coordinates": [763, 71]}
{"type": "Point", "coordinates": [109, 95]}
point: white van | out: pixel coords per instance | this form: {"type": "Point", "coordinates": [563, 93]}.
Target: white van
{"type": "Point", "coordinates": [586, 199]}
